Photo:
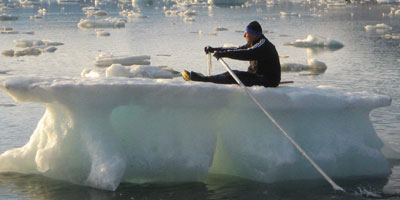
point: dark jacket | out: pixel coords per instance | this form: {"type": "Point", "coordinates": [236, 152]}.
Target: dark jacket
{"type": "Point", "coordinates": [263, 57]}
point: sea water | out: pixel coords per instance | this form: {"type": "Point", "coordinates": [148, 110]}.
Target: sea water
{"type": "Point", "coordinates": [367, 62]}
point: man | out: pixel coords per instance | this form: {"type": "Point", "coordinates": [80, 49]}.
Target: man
{"type": "Point", "coordinates": [264, 69]}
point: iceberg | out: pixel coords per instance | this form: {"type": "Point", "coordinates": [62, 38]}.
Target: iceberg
{"type": "Point", "coordinates": [102, 23]}
{"type": "Point", "coordinates": [315, 41]}
{"type": "Point", "coordinates": [313, 66]}
{"type": "Point", "coordinates": [100, 132]}
{"type": "Point", "coordinates": [106, 60]}
{"type": "Point", "coordinates": [377, 27]}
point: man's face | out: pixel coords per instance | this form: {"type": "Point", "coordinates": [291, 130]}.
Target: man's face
{"type": "Point", "coordinates": [250, 38]}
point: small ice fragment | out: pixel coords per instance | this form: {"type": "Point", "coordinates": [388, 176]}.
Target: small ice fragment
{"type": "Point", "coordinates": [285, 14]}
{"type": "Point", "coordinates": [377, 27]}
{"type": "Point", "coordinates": [50, 49]}
{"type": "Point", "coordinates": [220, 29]}
{"type": "Point", "coordinates": [4, 17]}
{"type": "Point", "coordinates": [8, 53]}
{"type": "Point", "coordinates": [87, 73]}
{"type": "Point", "coordinates": [31, 51]}
{"type": "Point", "coordinates": [102, 33]}
{"type": "Point", "coordinates": [188, 19]}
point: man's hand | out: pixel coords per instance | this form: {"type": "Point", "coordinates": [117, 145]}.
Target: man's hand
{"type": "Point", "coordinates": [209, 49]}
{"type": "Point", "coordinates": [218, 54]}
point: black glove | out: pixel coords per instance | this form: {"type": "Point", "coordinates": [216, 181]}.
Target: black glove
{"type": "Point", "coordinates": [219, 54]}
{"type": "Point", "coordinates": [209, 49]}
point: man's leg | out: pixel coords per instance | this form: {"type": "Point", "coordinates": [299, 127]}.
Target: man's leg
{"type": "Point", "coordinates": [247, 78]}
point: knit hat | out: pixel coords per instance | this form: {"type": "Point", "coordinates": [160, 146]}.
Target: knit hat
{"type": "Point", "coordinates": [254, 27]}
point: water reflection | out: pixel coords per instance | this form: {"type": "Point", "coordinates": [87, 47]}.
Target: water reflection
{"type": "Point", "coordinates": [19, 186]}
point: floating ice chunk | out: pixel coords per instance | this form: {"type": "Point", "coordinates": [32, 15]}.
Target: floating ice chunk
{"type": "Point", "coordinates": [33, 43]}
{"type": "Point", "coordinates": [226, 2]}
{"type": "Point", "coordinates": [102, 33]}
{"type": "Point", "coordinates": [136, 15]}
{"type": "Point", "coordinates": [30, 51]}
{"type": "Point", "coordinates": [314, 66]}
{"type": "Point", "coordinates": [285, 14]}
{"type": "Point", "coordinates": [9, 32]}
{"type": "Point", "coordinates": [315, 41]}
{"type": "Point", "coordinates": [377, 27]}
{"type": "Point", "coordinates": [42, 11]}
{"type": "Point", "coordinates": [6, 29]}
{"type": "Point", "coordinates": [220, 29]}
{"type": "Point", "coordinates": [117, 70]}
{"type": "Point", "coordinates": [8, 53]}
{"type": "Point", "coordinates": [108, 119]}
{"type": "Point", "coordinates": [102, 23]}
{"type": "Point", "coordinates": [105, 60]}
{"type": "Point", "coordinates": [88, 73]}
{"type": "Point", "coordinates": [97, 13]}
{"type": "Point", "coordinates": [89, 8]}
{"type": "Point", "coordinates": [49, 49]}
{"type": "Point", "coordinates": [4, 17]}
{"type": "Point", "coordinates": [188, 19]}
{"type": "Point", "coordinates": [36, 17]}
{"type": "Point", "coordinates": [190, 13]}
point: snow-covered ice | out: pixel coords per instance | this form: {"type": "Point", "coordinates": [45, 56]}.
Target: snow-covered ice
{"type": "Point", "coordinates": [141, 71]}
{"type": "Point", "coordinates": [316, 41]}
{"type": "Point", "coordinates": [105, 60]}
{"type": "Point", "coordinates": [102, 131]}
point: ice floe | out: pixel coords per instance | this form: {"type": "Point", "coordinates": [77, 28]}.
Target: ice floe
{"type": "Point", "coordinates": [32, 43]}
{"type": "Point", "coordinates": [5, 17]}
{"type": "Point", "coordinates": [377, 27]}
{"type": "Point", "coordinates": [114, 130]}
{"type": "Point", "coordinates": [102, 23]}
{"type": "Point", "coordinates": [106, 59]}
{"type": "Point", "coordinates": [313, 66]}
{"type": "Point", "coordinates": [316, 41]}
{"type": "Point", "coordinates": [286, 14]}
{"type": "Point", "coordinates": [32, 47]}
{"type": "Point", "coordinates": [97, 13]}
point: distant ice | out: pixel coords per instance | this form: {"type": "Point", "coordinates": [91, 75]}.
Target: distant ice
{"type": "Point", "coordinates": [33, 43]}
{"type": "Point", "coordinates": [5, 17]}
{"type": "Point", "coordinates": [32, 47]}
{"type": "Point", "coordinates": [377, 27]}
{"type": "Point", "coordinates": [105, 60]}
{"type": "Point", "coordinates": [102, 23]}
{"type": "Point", "coordinates": [285, 14]}
{"type": "Point", "coordinates": [315, 41]}
{"type": "Point", "coordinates": [96, 13]}
{"type": "Point", "coordinates": [102, 33]}
{"type": "Point", "coordinates": [314, 66]}
{"type": "Point", "coordinates": [220, 29]}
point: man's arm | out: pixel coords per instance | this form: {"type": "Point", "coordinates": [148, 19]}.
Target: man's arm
{"type": "Point", "coordinates": [253, 53]}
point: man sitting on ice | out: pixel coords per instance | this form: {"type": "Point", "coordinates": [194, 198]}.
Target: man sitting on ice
{"type": "Point", "coordinates": [264, 69]}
